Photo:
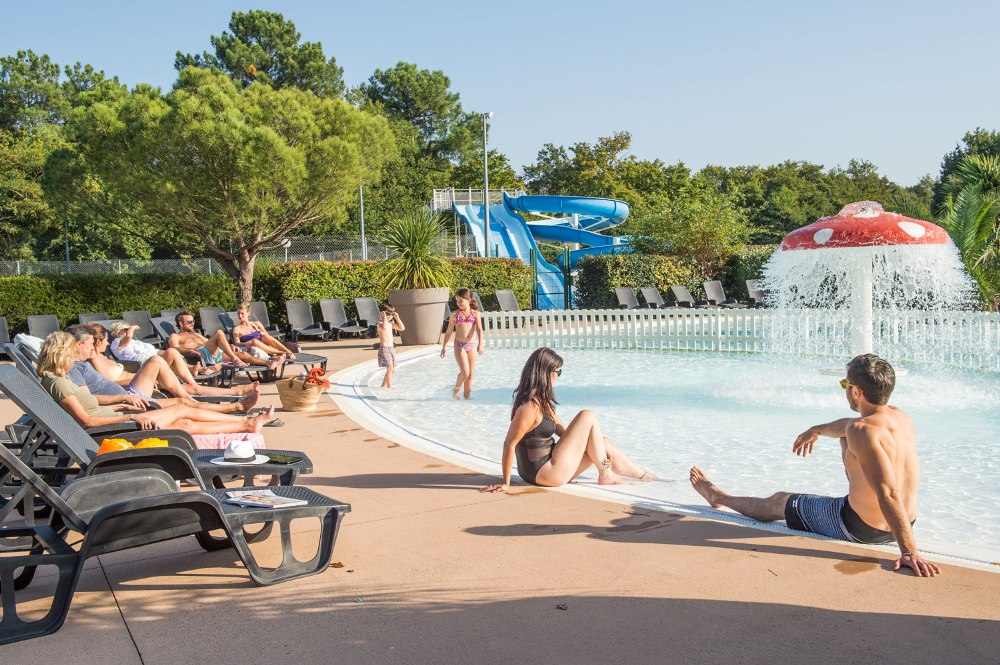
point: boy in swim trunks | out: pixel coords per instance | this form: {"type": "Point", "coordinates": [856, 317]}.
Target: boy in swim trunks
{"type": "Point", "coordinates": [388, 322]}
{"type": "Point", "coordinates": [880, 459]}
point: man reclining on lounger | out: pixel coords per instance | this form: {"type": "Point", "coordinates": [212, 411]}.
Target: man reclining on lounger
{"type": "Point", "coordinates": [212, 350]}
{"type": "Point", "coordinates": [880, 459]}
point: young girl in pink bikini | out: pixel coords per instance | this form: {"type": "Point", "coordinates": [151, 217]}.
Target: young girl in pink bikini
{"type": "Point", "coordinates": [464, 323]}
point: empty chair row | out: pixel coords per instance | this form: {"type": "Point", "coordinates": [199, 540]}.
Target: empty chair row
{"type": "Point", "coordinates": [716, 297]}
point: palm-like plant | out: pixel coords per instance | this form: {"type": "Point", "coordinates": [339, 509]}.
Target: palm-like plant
{"type": "Point", "coordinates": [419, 263]}
{"type": "Point", "coordinates": [971, 219]}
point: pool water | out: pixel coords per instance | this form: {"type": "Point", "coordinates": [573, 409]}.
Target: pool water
{"type": "Point", "coordinates": [736, 417]}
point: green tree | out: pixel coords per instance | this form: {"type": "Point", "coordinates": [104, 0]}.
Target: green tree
{"type": "Point", "coordinates": [469, 173]}
{"type": "Point", "coordinates": [704, 229]}
{"type": "Point", "coordinates": [262, 47]}
{"type": "Point", "coordinates": [977, 142]}
{"type": "Point", "coordinates": [218, 169]}
{"type": "Point", "coordinates": [423, 99]}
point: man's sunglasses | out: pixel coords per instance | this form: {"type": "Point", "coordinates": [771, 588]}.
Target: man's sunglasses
{"type": "Point", "coordinates": [844, 383]}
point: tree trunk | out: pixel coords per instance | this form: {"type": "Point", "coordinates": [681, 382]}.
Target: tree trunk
{"type": "Point", "coordinates": [247, 262]}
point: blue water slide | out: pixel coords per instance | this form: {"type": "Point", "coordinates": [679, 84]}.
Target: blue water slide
{"type": "Point", "coordinates": [602, 213]}
{"type": "Point", "coordinates": [510, 237]}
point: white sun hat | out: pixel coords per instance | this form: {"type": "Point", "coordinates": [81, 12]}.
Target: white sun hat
{"type": "Point", "coordinates": [240, 452]}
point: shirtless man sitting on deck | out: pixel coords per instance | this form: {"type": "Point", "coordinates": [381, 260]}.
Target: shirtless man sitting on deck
{"type": "Point", "coordinates": [880, 459]}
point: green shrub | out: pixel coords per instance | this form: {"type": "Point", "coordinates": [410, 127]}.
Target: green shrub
{"type": "Point", "coordinates": [748, 264]}
{"type": "Point", "coordinates": [347, 280]}
{"type": "Point", "coordinates": [67, 296]}
{"type": "Point", "coordinates": [600, 275]}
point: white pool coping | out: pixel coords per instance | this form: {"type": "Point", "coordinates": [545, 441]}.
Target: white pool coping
{"type": "Point", "coordinates": [350, 392]}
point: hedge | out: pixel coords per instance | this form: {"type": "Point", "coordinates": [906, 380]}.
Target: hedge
{"type": "Point", "coordinates": [748, 264]}
{"type": "Point", "coordinates": [600, 275]}
{"type": "Point", "coordinates": [67, 296]}
{"type": "Point", "coordinates": [315, 280]}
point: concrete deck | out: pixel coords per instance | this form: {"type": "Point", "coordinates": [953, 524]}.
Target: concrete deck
{"type": "Point", "coordinates": [435, 572]}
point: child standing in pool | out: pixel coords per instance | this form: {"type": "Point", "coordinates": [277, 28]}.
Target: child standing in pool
{"type": "Point", "coordinates": [466, 324]}
{"type": "Point", "coordinates": [387, 322]}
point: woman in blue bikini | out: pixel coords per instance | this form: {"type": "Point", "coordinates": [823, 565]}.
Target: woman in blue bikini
{"type": "Point", "coordinates": [465, 323]}
{"type": "Point", "coordinates": [253, 344]}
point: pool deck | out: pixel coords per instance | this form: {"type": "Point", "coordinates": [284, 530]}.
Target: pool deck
{"type": "Point", "coordinates": [435, 572]}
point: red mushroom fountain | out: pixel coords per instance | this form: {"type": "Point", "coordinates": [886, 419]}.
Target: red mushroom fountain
{"type": "Point", "coordinates": [845, 236]}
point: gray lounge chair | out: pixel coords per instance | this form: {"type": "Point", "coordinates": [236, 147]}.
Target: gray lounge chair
{"type": "Point", "coordinates": [685, 299]}
{"type": "Point", "coordinates": [368, 313]}
{"type": "Point", "coordinates": [301, 321]}
{"type": "Point", "coordinates": [507, 301]}
{"type": "Point", "coordinates": [717, 296]}
{"type": "Point", "coordinates": [335, 319]}
{"type": "Point", "coordinates": [626, 298]}
{"type": "Point", "coordinates": [757, 296]}
{"type": "Point", "coordinates": [42, 325]}
{"type": "Point", "coordinates": [141, 318]}
{"type": "Point", "coordinates": [170, 314]}
{"type": "Point", "coordinates": [4, 331]}
{"type": "Point", "coordinates": [652, 296]}
{"type": "Point", "coordinates": [94, 316]}
{"type": "Point", "coordinates": [209, 319]}
{"type": "Point", "coordinates": [125, 509]}
{"type": "Point", "coordinates": [478, 301]}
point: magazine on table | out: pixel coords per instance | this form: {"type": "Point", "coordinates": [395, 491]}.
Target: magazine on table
{"type": "Point", "coordinates": [262, 498]}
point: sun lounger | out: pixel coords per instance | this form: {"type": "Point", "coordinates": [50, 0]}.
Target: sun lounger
{"type": "Point", "coordinates": [42, 325]}
{"type": "Point", "coordinates": [141, 318]}
{"type": "Point", "coordinates": [368, 313]}
{"type": "Point", "coordinates": [507, 301]}
{"type": "Point", "coordinates": [125, 509]}
{"type": "Point", "coordinates": [335, 319]}
{"type": "Point", "coordinates": [4, 331]}
{"type": "Point", "coordinates": [478, 301]}
{"type": "Point", "coordinates": [685, 299]}
{"type": "Point", "coordinates": [717, 296]}
{"type": "Point", "coordinates": [757, 296]}
{"type": "Point", "coordinates": [626, 298]}
{"type": "Point", "coordinates": [93, 316]}
{"type": "Point", "coordinates": [301, 321]}
{"type": "Point", "coordinates": [209, 319]}
{"type": "Point", "coordinates": [652, 296]}
{"type": "Point", "coordinates": [77, 446]}
{"type": "Point", "coordinates": [170, 314]}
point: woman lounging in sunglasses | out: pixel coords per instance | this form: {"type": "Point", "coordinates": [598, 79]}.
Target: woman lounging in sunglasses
{"type": "Point", "coordinates": [544, 460]}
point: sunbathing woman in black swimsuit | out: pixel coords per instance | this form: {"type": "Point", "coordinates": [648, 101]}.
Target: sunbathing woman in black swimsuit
{"type": "Point", "coordinates": [541, 458]}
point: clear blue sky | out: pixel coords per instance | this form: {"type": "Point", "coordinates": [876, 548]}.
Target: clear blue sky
{"type": "Point", "coordinates": [896, 83]}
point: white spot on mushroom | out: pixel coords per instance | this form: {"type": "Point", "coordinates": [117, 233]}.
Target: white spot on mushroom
{"type": "Point", "coordinates": [821, 236]}
{"type": "Point", "coordinates": [913, 229]}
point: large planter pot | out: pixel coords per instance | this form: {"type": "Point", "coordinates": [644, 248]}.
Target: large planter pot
{"type": "Point", "coordinates": [422, 312]}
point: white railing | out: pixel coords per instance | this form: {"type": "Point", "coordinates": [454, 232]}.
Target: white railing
{"type": "Point", "coordinates": [444, 198]}
{"type": "Point", "coordinates": [960, 339]}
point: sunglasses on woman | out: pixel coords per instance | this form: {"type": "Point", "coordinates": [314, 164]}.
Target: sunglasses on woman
{"type": "Point", "coordinates": [559, 372]}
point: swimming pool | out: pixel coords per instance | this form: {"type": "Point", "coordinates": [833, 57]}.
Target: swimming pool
{"type": "Point", "coordinates": [735, 416]}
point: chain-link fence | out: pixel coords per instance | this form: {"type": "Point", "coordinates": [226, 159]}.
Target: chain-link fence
{"type": "Point", "coordinates": [302, 248]}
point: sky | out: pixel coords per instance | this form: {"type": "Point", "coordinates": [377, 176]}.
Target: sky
{"type": "Point", "coordinates": [715, 82]}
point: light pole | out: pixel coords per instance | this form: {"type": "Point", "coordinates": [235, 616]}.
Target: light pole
{"type": "Point", "coordinates": [486, 188]}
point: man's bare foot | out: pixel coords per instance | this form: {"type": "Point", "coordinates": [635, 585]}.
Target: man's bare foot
{"type": "Point", "coordinates": [249, 400]}
{"type": "Point", "coordinates": [198, 369]}
{"type": "Point", "coordinates": [275, 363]}
{"type": "Point", "coordinates": [703, 486]}
{"type": "Point", "coordinates": [256, 423]}
{"type": "Point", "coordinates": [213, 368]}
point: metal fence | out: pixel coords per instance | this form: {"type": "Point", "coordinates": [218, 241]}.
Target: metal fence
{"type": "Point", "coordinates": [444, 198]}
{"type": "Point", "coordinates": [957, 339]}
{"type": "Point", "coordinates": [327, 248]}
